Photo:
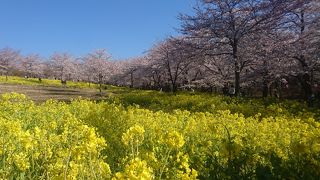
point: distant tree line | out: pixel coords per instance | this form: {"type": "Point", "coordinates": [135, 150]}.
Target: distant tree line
{"type": "Point", "coordinates": [236, 47]}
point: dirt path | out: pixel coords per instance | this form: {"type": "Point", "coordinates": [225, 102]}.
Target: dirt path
{"type": "Point", "coordinates": [42, 93]}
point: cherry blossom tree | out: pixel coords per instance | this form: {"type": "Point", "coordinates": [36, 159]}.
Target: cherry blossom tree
{"type": "Point", "coordinates": [225, 23]}
{"type": "Point", "coordinates": [8, 60]}
{"type": "Point", "coordinates": [62, 65]}
{"type": "Point", "coordinates": [303, 25]}
{"type": "Point", "coordinates": [174, 57]}
{"type": "Point", "coordinates": [97, 65]}
{"type": "Point", "coordinates": [31, 65]}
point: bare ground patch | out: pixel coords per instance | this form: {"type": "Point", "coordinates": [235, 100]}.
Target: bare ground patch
{"type": "Point", "coordinates": [43, 93]}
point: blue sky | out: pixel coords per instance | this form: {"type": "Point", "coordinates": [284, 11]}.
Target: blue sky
{"type": "Point", "coordinates": [126, 28]}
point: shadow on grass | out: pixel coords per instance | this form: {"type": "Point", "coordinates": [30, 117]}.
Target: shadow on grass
{"type": "Point", "coordinates": [61, 90]}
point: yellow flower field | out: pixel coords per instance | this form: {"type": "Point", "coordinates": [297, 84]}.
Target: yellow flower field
{"type": "Point", "coordinates": [106, 140]}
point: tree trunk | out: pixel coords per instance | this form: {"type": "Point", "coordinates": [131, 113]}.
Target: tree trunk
{"type": "Point", "coordinates": [7, 73]}
{"type": "Point", "coordinates": [306, 86]}
{"type": "Point", "coordinates": [174, 88]}
{"type": "Point", "coordinates": [131, 80]}
{"type": "Point", "coordinates": [89, 81]}
{"type": "Point", "coordinates": [236, 68]}
{"type": "Point", "coordinates": [100, 82]}
{"type": "Point", "coordinates": [306, 79]}
{"type": "Point", "coordinates": [265, 89]}
{"type": "Point", "coordinates": [237, 83]}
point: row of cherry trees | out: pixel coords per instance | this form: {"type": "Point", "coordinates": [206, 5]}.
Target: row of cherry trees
{"type": "Point", "coordinates": [95, 67]}
{"type": "Point", "coordinates": [250, 47]}
{"type": "Point", "coordinates": [238, 47]}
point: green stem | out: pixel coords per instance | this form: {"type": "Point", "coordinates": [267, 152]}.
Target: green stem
{"type": "Point", "coordinates": [165, 163]}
